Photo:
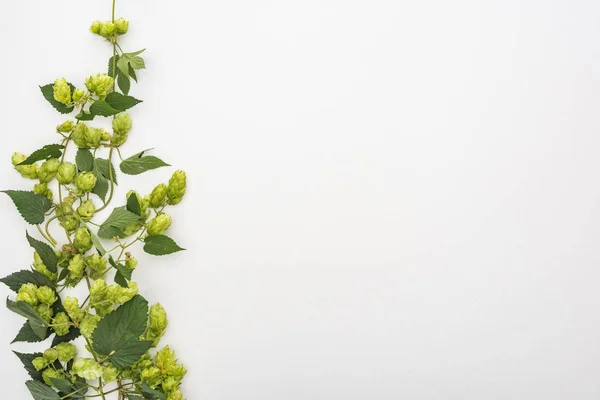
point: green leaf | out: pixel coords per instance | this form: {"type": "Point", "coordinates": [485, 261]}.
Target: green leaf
{"type": "Point", "coordinates": [85, 116]}
{"type": "Point", "coordinates": [62, 385]}
{"type": "Point", "coordinates": [95, 239]}
{"type": "Point", "coordinates": [84, 160]}
{"type": "Point", "coordinates": [160, 245]}
{"type": "Point", "coordinates": [27, 359]}
{"type": "Point", "coordinates": [101, 107]}
{"type": "Point", "coordinates": [30, 205]}
{"type": "Point", "coordinates": [102, 166]}
{"type": "Point", "coordinates": [133, 204]}
{"type": "Point", "coordinates": [123, 273]}
{"type": "Point", "coordinates": [124, 83]}
{"type": "Point", "coordinates": [121, 102]}
{"type": "Point", "coordinates": [41, 391]}
{"type": "Point", "coordinates": [139, 163]}
{"type": "Point", "coordinates": [112, 65]}
{"type": "Point", "coordinates": [101, 187]}
{"type": "Point", "coordinates": [45, 153]}
{"type": "Point", "coordinates": [15, 280]}
{"type": "Point", "coordinates": [152, 394]}
{"type": "Point", "coordinates": [38, 325]}
{"type": "Point", "coordinates": [134, 397]}
{"type": "Point", "coordinates": [101, 172]}
{"type": "Point", "coordinates": [119, 219]}
{"type": "Point", "coordinates": [117, 333]}
{"type": "Point", "coordinates": [73, 334]}
{"type": "Point", "coordinates": [48, 92]}
{"type": "Point", "coordinates": [45, 252]}
{"type": "Point", "coordinates": [131, 60]}
{"type": "Point", "coordinates": [26, 334]}
{"type": "Point", "coordinates": [132, 73]}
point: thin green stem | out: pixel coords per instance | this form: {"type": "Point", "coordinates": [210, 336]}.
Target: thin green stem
{"type": "Point", "coordinates": [60, 200]}
{"type": "Point", "coordinates": [49, 240]}
{"type": "Point", "coordinates": [48, 230]}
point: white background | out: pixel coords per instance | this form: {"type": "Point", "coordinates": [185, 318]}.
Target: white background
{"type": "Point", "coordinates": [387, 199]}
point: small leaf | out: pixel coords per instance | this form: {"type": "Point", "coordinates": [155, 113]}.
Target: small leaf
{"type": "Point", "coordinates": [45, 252]}
{"type": "Point", "coordinates": [85, 116]}
{"type": "Point", "coordinates": [102, 166]}
{"type": "Point", "coordinates": [123, 273]}
{"type": "Point", "coordinates": [119, 219]}
{"type": "Point", "coordinates": [101, 187]}
{"type": "Point", "coordinates": [152, 394]}
{"type": "Point", "coordinates": [38, 325]}
{"type": "Point", "coordinates": [62, 385]}
{"type": "Point", "coordinates": [15, 280]}
{"type": "Point", "coordinates": [84, 160]}
{"type": "Point", "coordinates": [139, 163]}
{"type": "Point", "coordinates": [48, 92]}
{"type": "Point", "coordinates": [124, 83]}
{"type": "Point", "coordinates": [27, 359]}
{"type": "Point", "coordinates": [121, 102]}
{"type": "Point", "coordinates": [133, 204]}
{"type": "Point", "coordinates": [26, 334]}
{"type": "Point", "coordinates": [160, 245]}
{"type": "Point", "coordinates": [112, 65]}
{"type": "Point", "coordinates": [101, 107]}
{"type": "Point", "coordinates": [30, 205]}
{"type": "Point", "coordinates": [131, 60]}
{"type": "Point", "coordinates": [41, 391]}
{"type": "Point", "coordinates": [45, 153]}
{"type": "Point", "coordinates": [132, 73]}
{"type": "Point", "coordinates": [73, 334]}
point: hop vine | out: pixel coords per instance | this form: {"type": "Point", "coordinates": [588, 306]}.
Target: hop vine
{"type": "Point", "coordinates": [118, 331]}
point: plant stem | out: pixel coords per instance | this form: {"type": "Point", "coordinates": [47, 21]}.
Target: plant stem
{"type": "Point", "coordinates": [112, 183]}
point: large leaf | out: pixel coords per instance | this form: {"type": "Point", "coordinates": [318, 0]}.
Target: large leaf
{"type": "Point", "coordinates": [41, 391]}
{"type": "Point", "coordinates": [117, 334]}
{"type": "Point", "coordinates": [160, 245]}
{"type": "Point", "coordinates": [26, 334]}
{"type": "Point", "coordinates": [45, 153]}
{"type": "Point", "coordinates": [15, 280]}
{"type": "Point", "coordinates": [119, 219]}
{"type": "Point", "coordinates": [45, 252]}
{"type": "Point", "coordinates": [48, 92]}
{"type": "Point", "coordinates": [32, 206]}
{"type": "Point", "coordinates": [38, 325]}
{"type": "Point", "coordinates": [27, 359]}
{"type": "Point", "coordinates": [139, 163]}
{"type": "Point", "coordinates": [131, 61]}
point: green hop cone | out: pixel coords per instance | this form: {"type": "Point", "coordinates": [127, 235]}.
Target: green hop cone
{"type": "Point", "coordinates": [28, 294]}
{"type": "Point", "coordinates": [66, 127]}
{"type": "Point", "coordinates": [108, 29]}
{"type": "Point", "coordinates": [66, 351]}
{"type": "Point", "coordinates": [39, 363]}
{"type": "Point", "coordinates": [61, 324]}
{"type": "Point", "coordinates": [109, 374]}
{"type": "Point", "coordinates": [100, 84]}
{"type": "Point", "coordinates": [121, 126]}
{"type": "Point", "coordinates": [85, 181]}
{"type": "Point", "coordinates": [170, 384]}
{"type": "Point", "coordinates": [83, 240]}
{"type": "Point", "coordinates": [71, 305]}
{"type": "Point", "coordinates": [78, 95]}
{"type": "Point", "coordinates": [88, 325]}
{"type": "Point", "coordinates": [121, 26]}
{"type": "Point", "coordinates": [48, 170]}
{"type": "Point", "coordinates": [118, 294]}
{"type": "Point", "coordinates": [26, 171]}
{"type": "Point", "coordinates": [45, 311]}
{"type": "Point", "coordinates": [40, 267]}
{"type": "Point", "coordinates": [66, 173]}
{"type": "Point", "coordinates": [62, 91]}
{"type": "Point", "coordinates": [96, 27]}
{"type": "Point", "coordinates": [42, 189]}
{"type": "Point", "coordinates": [131, 262]}
{"type": "Point", "coordinates": [175, 395]}
{"type": "Point", "coordinates": [159, 224]}
{"type": "Point", "coordinates": [79, 135]}
{"type": "Point", "coordinates": [158, 321]}
{"type": "Point", "coordinates": [151, 376]}
{"type": "Point", "coordinates": [177, 187]}
{"type": "Point", "coordinates": [50, 355]}
{"type": "Point", "coordinates": [158, 196]}
{"type": "Point", "coordinates": [46, 295]}
{"type": "Point", "coordinates": [87, 368]}
{"type": "Point", "coordinates": [97, 265]}
{"type": "Point", "coordinates": [76, 268]}
{"type": "Point", "coordinates": [86, 210]}
{"type": "Point", "coordinates": [50, 373]}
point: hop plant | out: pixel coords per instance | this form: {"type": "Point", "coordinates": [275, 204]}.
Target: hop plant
{"type": "Point", "coordinates": [74, 182]}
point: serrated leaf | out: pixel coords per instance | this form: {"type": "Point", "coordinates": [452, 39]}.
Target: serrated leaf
{"type": "Point", "coordinates": [41, 391]}
{"type": "Point", "coordinates": [101, 187]}
{"type": "Point", "coordinates": [139, 163]}
{"type": "Point", "coordinates": [133, 204]}
{"type": "Point", "coordinates": [124, 83]}
{"type": "Point", "coordinates": [16, 279]}
{"type": "Point", "coordinates": [26, 334]}
{"type": "Point", "coordinates": [48, 92]}
{"type": "Point", "coordinates": [152, 394]}
{"type": "Point", "coordinates": [102, 108]}
{"type": "Point", "coordinates": [160, 245]}
{"type": "Point", "coordinates": [62, 385]}
{"type": "Point", "coordinates": [123, 273]}
{"type": "Point", "coordinates": [27, 359]}
{"type": "Point", "coordinates": [85, 116]}
{"type": "Point", "coordinates": [84, 160]}
{"type": "Point", "coordinates": [119, 219]}
{"type": "Point", "coordinates": [131, 60]}
{"type": "Point", "coordinates": [73, 334]}
{"type": "Point", "coordinates": [32, 206]}
{"type": "Point", "coordinates": [117, 333]}
{"type": "Point", "coordinates": [38, 325]}
{"type": "Point", "coordinates": [102, 167]}
{"type": "Point", "coordinates": [45, 252]}
{"type": "Point", "coordinates": [132, 73]}
{"type": "Point", "coordinates": [112, 65]}
{"type": "Point", "coordinates": [45, 153]}
{"type": "Point", "coordinates": [121, 102]}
